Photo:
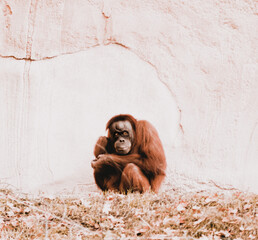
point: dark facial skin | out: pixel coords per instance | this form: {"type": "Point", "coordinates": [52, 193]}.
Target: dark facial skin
{"type": "Point", "coordinates": [122, 136]}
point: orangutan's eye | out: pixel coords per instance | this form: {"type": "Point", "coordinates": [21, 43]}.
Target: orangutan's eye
{"type": "Point", "coordinates": [125, 133]}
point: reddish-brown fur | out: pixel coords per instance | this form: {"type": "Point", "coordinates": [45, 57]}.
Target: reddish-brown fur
{"type": "Point", "coordinates": [143, 168]}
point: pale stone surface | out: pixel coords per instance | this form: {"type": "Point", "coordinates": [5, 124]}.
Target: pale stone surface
{"type": "Point", "coordinates": [190, 67]}
{"type": "Point", "coordinates": [59, 108]}
{"type": "Point", "coordinates": [14, 28]}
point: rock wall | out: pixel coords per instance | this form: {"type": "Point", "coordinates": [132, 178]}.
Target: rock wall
{"type": "Point", "coordinates": [189, 67]}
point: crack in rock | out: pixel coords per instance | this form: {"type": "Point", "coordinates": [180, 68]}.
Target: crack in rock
{"type": "Point", "coordinates": [27, 58]}
{"type": "Point", "coordinates": [111, 42]}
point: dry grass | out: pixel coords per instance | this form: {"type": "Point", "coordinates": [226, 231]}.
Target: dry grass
{"type": "Point", "coordinates": [115, 216]}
